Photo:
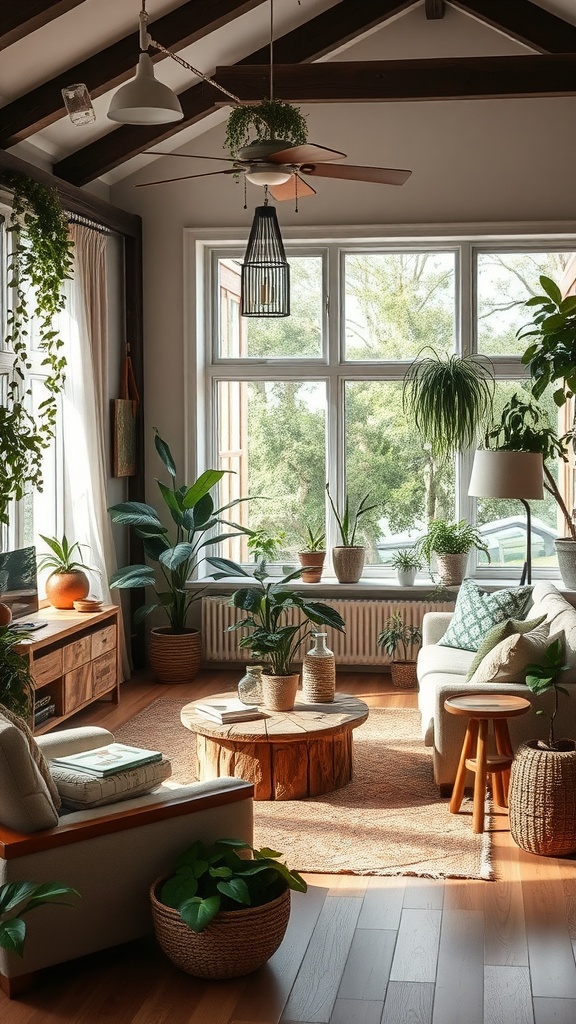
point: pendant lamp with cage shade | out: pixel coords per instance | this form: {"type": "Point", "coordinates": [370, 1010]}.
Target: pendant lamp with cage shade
{"type": "Point", "coordinates": [265, 277]}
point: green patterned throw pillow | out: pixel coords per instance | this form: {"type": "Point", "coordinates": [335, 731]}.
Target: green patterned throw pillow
{"type": "Point", "coordinates": [500, 632]}
{"type": "Point", "coordinates": [477, 611]}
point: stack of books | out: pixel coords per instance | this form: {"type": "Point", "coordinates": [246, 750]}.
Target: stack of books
{"type": "Point", "coordinates": [44, 708]}
{"type": "Point", "coordinates": [230, 710]}
{"type": "Point", "coordinates": [108, 760]}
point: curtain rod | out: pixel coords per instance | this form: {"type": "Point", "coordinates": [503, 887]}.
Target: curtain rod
{"type": "Point", "coordinates": [77, 218]}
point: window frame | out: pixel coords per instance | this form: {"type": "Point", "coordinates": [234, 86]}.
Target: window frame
{"type": "Point", "coordinates": [202, 252]}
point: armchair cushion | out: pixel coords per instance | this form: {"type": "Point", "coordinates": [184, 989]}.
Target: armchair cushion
{"type": "Point", "coordinates": [79, 790]}
{"type": "Point", "coordinates": [29, 801]}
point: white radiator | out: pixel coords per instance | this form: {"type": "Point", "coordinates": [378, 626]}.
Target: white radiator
{"type": "Point", "coordinates": [364, 621]}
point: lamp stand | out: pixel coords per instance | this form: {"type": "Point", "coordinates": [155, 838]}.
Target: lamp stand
{"type": "Point", "coordinates": [527, 570]}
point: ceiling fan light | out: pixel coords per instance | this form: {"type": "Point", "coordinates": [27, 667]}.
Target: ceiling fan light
{"type": "Point", "coordinates": [266, 176]}
{"type": "Point", "coordinates": [145, 100]}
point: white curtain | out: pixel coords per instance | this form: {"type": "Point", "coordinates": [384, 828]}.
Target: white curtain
{"type": "Point", "coordinates": [86, 410]}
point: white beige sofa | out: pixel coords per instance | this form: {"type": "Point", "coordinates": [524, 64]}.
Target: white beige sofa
{"type": "Point", "coordinates": [442, 673]}
{"type": "Point", "coordinates": [110, 853]}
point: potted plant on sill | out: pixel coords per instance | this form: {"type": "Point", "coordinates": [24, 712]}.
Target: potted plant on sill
{"type": "Point", "coordinates": [264, 546]}
{"type": "Point", "coordinates": [542, 798]}
{"type": "Point", "coordinates": [68, 581]}
{"type": "Point", "coordinates": [313, 554]}
{"type": "Point", "coordinates": [407, 563]}
{"type": "Point", "coordinates": [220, 914]}
{"type": "Point", "coordinates": [551, 360]}
{"type": "Point", "coordinates": [272, 640]}
{"type": "Point", "coordinates": [398, 635]}
{"type": "Point", "coordinates": [175, 650]}
{"type": "Point", "coordinates": [348, 557]}
{"type": "Point", "coordinates": [450, 545]}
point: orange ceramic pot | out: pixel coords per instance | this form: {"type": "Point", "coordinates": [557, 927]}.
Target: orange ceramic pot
{"type": "Point", "coordinates": [5, 614]}
{"type": "Point", "coordinates": [63, 588]}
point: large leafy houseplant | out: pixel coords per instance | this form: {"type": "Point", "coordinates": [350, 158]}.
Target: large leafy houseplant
{"type": "Point", "coordinates": [450, 399]}
{"type": "Point", "coordinates": [197, 525]}
{"type": "Point", "coordinates": [267, 605]}
{"type": "Point", "coordinates": [19, 898]}
{"type": "Point", "coordinates": [16, 679]}
{"type": "Point", "coordinates": [269, 120]}
{"type": "Point", "coordinates": [40, 257]}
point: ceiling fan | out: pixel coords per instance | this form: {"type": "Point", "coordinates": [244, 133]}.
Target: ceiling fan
{"type": "Point", "coordinates": [279, 166]}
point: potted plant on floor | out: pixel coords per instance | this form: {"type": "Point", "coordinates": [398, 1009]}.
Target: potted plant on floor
{"type": "Point", "coordinates": [272, 639]}
{"type": "Point", "coordinates": [19, 898]}
{"type": "Point", "coordinates": [551, 361]}
{"type": "Point", "coordinates": [348, 557]}
{"type": "Point", "coordinates": [67, 581]}
{"type": "Point", "coordinates": [450, 545]}
{"type": "Point", "coordinates": [175, 650]}
{"type": "Point", "coordinates": [398, 635]}
{"type": "Point", "coordinates": [221, 914]}
{"type": "Point", "coordinates": [407, 563]}
{"type": "Point", "coordinates": [542, 798]}
{"type": "Point", "coordinates": [312, 556]}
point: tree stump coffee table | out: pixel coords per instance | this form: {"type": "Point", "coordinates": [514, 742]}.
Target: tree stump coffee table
{"type": "Point", "coordinates": [288, 755]}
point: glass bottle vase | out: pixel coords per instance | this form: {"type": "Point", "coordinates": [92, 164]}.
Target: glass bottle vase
{"type": "Point", "coordinates": [250, 685]}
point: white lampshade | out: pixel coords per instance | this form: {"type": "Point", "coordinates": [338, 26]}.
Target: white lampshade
{"type": "Point", "coordinates": [503, 474]}
{"type": "Point", "coordinates": [145, 100]}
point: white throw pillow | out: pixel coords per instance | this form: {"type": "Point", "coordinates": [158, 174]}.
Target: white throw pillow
{"type": "Point", "coordinates": [79, 790]}
{"type": "Point", "coordinates": [507, 661]}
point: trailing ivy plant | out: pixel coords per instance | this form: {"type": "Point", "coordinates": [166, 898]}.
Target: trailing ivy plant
{"type": "Point", "coordinates": [39, 261]}
{"type": "Point", "coordinates": [263, 122]}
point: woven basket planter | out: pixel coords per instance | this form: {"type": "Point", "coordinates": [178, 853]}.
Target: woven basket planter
{"type": "Point", "coordinates": [235, 943]}
{"type": "Point", "coordinates": [451, 569]}
{"type": "Point", "coordinates": [348, 563]}
{"type": "Point", "coordinates": [542, 799]}
{"type": "Point", "coordinates": [404, 674]}
{"type": "Point", "coordinates": [279, 692]}
{"type": "Point", "coordinates": [174, 657]}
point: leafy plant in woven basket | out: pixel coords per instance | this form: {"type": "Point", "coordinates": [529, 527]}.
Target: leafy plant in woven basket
{"type": "Point", "coordinates": [224, 909]}
{"type": "Point", "coordinates": [542, 797]}
{"type": "Point", "coordinates": [267, 121]}
{"type": "Point", "coordinates": [399, 636]}
{"type": "Point", "coordinates": [445, 540]}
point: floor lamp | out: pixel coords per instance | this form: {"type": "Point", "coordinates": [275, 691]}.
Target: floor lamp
{"type": "Point", "coordinates": [503, 474]}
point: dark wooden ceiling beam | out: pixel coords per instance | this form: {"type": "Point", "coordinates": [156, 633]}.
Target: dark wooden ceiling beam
{"type": "Point", "coordinates": [114, 65]}
{"type": "Point", "coordinates": [525, 22]}
{"type": "Point", "coordinates": [435, 9]}
{"type": "Point", "coordinates": [393, 80]}
{"type": "Point", "coordinates": [20, 19]}
{"type": "Point", "coordinates": [309, 42]}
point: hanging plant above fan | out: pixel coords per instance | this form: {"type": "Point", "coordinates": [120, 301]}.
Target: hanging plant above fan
{"type": "Point", "coordinates": [270, 120]}
{"type": "Point", "coordinates": [39, 261]}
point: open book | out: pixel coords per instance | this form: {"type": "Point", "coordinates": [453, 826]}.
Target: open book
{"type": "Point", "coordinates": [108, 760]}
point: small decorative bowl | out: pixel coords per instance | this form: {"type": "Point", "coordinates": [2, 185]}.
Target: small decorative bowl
{"type": "Point", "coordinates": [88, 605]}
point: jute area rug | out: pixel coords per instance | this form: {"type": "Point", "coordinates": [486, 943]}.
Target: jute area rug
{"type": "Point", "coordinates": [390, 820]}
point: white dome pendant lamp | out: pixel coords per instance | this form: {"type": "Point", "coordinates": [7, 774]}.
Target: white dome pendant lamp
{"type": "Point", "coordinates": [145, 100]}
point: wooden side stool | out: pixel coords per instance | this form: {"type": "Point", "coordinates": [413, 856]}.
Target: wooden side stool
{"type": "Point", "coordinates": [480, 709]}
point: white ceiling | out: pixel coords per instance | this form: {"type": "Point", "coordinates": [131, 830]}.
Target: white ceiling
{"type": "Point", "coordinates": [95, 24]}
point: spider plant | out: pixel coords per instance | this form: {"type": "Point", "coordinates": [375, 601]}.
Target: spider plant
{"type": "Point", "coordinates": [449, 398]}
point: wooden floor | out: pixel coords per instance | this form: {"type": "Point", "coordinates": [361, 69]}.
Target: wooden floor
{"type": "Point", "coordinates": [359, 950]}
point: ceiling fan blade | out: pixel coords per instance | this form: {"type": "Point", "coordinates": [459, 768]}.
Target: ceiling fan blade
{"type": "Point", "coordinates": [289, 190]}
{"type": "Point", "coordinates": [306, 154]}
{"type": "Point", "coordinates": [186, 177]}
{"type": "Point", "coordinates": [187, 156]}
{"type": "Point", "coordinates": [379, 175]}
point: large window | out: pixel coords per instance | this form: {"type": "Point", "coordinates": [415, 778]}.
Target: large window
{"type": "Point", "coordinates": [317, 396]}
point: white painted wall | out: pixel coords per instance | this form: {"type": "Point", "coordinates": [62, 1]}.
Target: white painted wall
{"type": "Point", "coordinates": [480, 161]}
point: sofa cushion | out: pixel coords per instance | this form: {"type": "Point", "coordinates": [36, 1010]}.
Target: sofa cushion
{"type": "Point", "coordinates": [28, 802]}
{"type": "Point", "coordinates": [477, 611]}
{"type": "Point", "coordinates": [79, 790]}
{"type": "Point", "coordinates": [561, 616]}
{"type": "Point", "coordinates": [433, 659]}
{"type": "Point", "coordinates": [508, 660]}
{"type": "Point", "coordinates": [498, 633]}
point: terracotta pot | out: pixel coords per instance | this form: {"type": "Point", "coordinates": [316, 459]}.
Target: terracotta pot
{"type": "Point", "coordinates": [313, 561]}
{"type": "Point", "coordinates": [279, 692]}
{"type": "Point", "coordinates": [348, 563]}
{"type": "Point", "coordinates": [174, 657]}
{"type": "Point", "coordinates": [5, 614]}
{"type": "Point", "coordinates": [235, 943]}
{"type": "Point", "coordinates": [63, 588]}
